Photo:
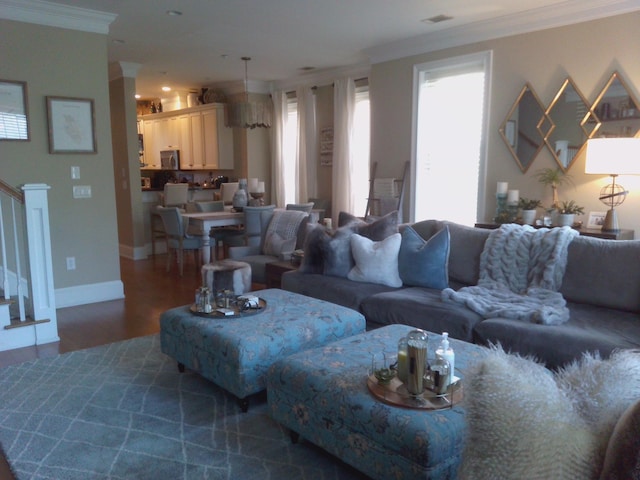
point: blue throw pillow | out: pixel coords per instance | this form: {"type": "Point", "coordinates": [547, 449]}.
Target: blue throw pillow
{"type": "Point", "coordinates": [424, 263]}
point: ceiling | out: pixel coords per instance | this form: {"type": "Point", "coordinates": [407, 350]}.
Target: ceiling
{"type": "Point", "coordinates": [294, 40]}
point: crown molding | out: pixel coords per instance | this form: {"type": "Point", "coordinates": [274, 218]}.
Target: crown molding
{"type": "Point", "coordinates": [567, 13]}
{"type": "Point", "coordinates": [56, 15]}
{"type": "Point", "coordinates": [323, 77]}
{"type": "Point", "coordinates": [123, 69]}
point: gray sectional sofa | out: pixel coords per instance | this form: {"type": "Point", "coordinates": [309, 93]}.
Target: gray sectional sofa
{"type": "Point", "coordinates": [601, 285]}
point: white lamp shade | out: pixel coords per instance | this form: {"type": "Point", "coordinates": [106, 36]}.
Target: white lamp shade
{"type": "Point", "coordinates": [613, 156]}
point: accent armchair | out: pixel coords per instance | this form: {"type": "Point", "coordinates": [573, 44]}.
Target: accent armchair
{"type": "Point", "coordinates": [272, 235]}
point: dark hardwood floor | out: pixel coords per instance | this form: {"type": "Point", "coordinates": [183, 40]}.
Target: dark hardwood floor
{"type": "Point", "coordinates": [149, 290]}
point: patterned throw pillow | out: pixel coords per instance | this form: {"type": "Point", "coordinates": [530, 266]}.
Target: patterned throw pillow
{"type": "Point", "coordinates": [424, 263]}
{"type": "Point", "coordinates": [376, 262]}
{"type": "Point", "coordinates": [282, 232]}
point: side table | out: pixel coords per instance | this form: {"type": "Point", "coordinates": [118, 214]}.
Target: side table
{"type": "Point", "coordinates": [274, 271]}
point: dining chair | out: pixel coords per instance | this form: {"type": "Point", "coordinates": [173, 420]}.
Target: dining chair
{"type": "Point", "coordinates": [177, 238]}
{"type": "Point", "coordinates": [219, 235]}
{"type": "Point", "coordinates": [301, 207]}
{"type": "Point", "coordinates": [173, 195]}
{"type": "Point", "coordinates": [227, 190]}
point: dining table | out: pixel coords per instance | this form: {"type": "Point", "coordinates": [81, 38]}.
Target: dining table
{"type": "Point", "coordinates": [200, 223]}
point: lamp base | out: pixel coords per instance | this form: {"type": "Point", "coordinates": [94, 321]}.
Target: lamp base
{"type": "Point", "coordinates": [611, 221]}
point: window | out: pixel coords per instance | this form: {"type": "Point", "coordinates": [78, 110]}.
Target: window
{"type": "Point", "coordinates": [450, 99]}
{"type": "Point", "coordinates": [361, 147]}
{"type": "Point", "coordinates": [359, 150]}
{"type": "Point", "coordinates": [290, 151]}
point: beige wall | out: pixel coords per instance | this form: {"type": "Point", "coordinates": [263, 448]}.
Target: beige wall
{"type": "Point", "coordinates": [60, 62]}
{"type": "Point", "coordinates": [126, 168]}
{"type": "Point", "coordinates": [588, 52]}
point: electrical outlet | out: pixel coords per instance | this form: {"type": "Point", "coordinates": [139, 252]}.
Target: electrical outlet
{"type": "Point", "coordinates": [71, 263]}
{"type": "Point", "coordinates": [75, 173]}
{"type": "Point", "coordinates": [82, 191]}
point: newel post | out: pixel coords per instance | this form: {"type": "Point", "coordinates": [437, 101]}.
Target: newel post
{"type": "Point", "coordinates": [40, 261]}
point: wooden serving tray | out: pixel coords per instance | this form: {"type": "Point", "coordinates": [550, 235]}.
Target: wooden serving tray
{"type": "Point", "coordinates": [396, 393]}
{"type": "Point", "coordinates": [262, 305]}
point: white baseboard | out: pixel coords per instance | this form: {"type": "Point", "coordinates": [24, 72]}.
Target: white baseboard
{"type": "Point", "coordinates": [140, 253]}
{"type": "Point", "coordinates": [93, 293]}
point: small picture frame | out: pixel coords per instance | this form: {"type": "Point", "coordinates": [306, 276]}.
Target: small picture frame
{"type": "Point", "coordinates": [14, 121]}
{"type": "Point", "coordinates": [71, 125]}
{"type": "Point", "coordinates": [596, 219]}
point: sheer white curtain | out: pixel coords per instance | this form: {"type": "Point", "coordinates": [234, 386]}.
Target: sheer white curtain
{"type": "Point", "coordinates": [344, 102]}
{"type": "Point", "coordinates": [307, 173]}
{"type": "Point", "coordinates": [278, 128]}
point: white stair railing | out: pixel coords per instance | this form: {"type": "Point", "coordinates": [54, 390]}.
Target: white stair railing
{"type": "Point", "coordinates": [26, 266]}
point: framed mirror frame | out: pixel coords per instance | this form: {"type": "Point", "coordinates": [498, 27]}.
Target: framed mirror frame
{"type": "Point", "coordinates": [521, 131]}
{"type": "Point", "coordinates": [615, 112]}
{"type": "Point", "coordinates": [569, 130]}
{"type": "Point", "coordinates": [14, 115]}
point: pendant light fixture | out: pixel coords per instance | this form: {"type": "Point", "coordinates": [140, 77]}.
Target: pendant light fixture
{"type": "Point", "coordinates": [247, 114]}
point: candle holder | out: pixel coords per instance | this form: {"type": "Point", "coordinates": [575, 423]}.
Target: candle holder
{"type": "Point", "coordinates": [257, 199]}
{"type": "Point", "coordinates": [502, 212]}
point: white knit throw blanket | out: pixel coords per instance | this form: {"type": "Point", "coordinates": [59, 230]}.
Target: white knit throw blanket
{"type": "Point", "coordinates": [521, 270]}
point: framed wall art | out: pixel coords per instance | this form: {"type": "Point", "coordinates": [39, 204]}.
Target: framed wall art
{"type": "Point", "coordinates": [71, 125]}
{"type": "Point", "coordinates": [326, 146]}
{"type": "Point", "coordinates": [14, 122]}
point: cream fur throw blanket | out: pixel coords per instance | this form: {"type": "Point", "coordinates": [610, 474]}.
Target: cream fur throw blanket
{"type": "Point", "coordinates": [521, 270]}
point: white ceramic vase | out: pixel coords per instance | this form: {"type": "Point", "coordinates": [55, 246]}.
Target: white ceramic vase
{"type": "Point", "coordinates": [566, 219]}
{"type": "Point", "coordinates": [529, 217]}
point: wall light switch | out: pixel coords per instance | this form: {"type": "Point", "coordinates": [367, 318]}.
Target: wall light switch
{"type": "Point", "coordinates": [75, 173]}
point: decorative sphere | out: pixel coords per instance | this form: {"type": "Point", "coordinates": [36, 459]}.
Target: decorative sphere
{"type": "Point", "coordinates": [612, 195]}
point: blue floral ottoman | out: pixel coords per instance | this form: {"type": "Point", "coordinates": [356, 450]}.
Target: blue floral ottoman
{"type": "Point", "coordinates": [322, 394]}
{"type": "Point", "coordinates": [235, 353]}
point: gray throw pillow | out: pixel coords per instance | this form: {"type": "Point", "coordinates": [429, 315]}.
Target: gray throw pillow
{"type": "Point", "coordinates": [329, 251]}
{"type": "Point", "coordinates": [375, 230]}
{"type": "Point", "coordinates": [424, 263]}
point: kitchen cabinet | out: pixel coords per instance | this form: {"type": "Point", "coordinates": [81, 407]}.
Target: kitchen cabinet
{"type": "Point", "coordinates": [151, 152]}
{"type": "Point", "coordinates": [210, 138]}
{"type": "Point", "coordinates": [225, 143]}
{"type": "Point", "coordinates": [198, 132]}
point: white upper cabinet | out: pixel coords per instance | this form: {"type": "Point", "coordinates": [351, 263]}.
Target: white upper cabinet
{"type": "Point", "coordinates": [199, 133]}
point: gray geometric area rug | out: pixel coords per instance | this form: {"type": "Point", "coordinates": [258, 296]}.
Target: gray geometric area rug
{"type": "Point", "coordinates": [123, 411]}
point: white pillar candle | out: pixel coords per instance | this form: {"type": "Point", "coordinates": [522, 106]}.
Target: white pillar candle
{"type": "Point", "coordinates": [260, 187]}
{"type": "Point", "coordinates": [502, 187]}
{"type": "Point", "coordinates": [253, 185]}
{"type": "Point", "coordinates": [513, 196]}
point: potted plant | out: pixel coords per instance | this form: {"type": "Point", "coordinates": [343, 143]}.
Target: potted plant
{"type": "Point", "coordinates": [553, 177]}
{"type": "Point", "coordinates": [528, 207]}
{"type": "Point", "coordinates": [567, 212]}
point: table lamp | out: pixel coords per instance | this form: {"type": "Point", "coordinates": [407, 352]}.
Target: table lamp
{"type": "Point", "coordinates": [612, 156]}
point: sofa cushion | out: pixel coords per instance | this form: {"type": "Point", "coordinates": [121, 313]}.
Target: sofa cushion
{"type": "Point", "coordinates": [602, 272]}
{"type": "Point", "coordinates": [423, 263]}
{"type": "Point", "coordinates": [589, 329]}
{"type": "Point", "coordinates": [421, 308]}
{"type": "Point", "coordinates": [376, 262]}
{"type": "Point", "coordinates": [341, 291]}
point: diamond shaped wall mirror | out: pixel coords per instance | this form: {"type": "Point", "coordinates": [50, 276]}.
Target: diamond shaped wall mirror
{"type": "Point", "coordinates": [521, 128]}
{"type": "Point", "coordinates": [617, 110]}
{"type": "Point", "coordinates": [569, 130]}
